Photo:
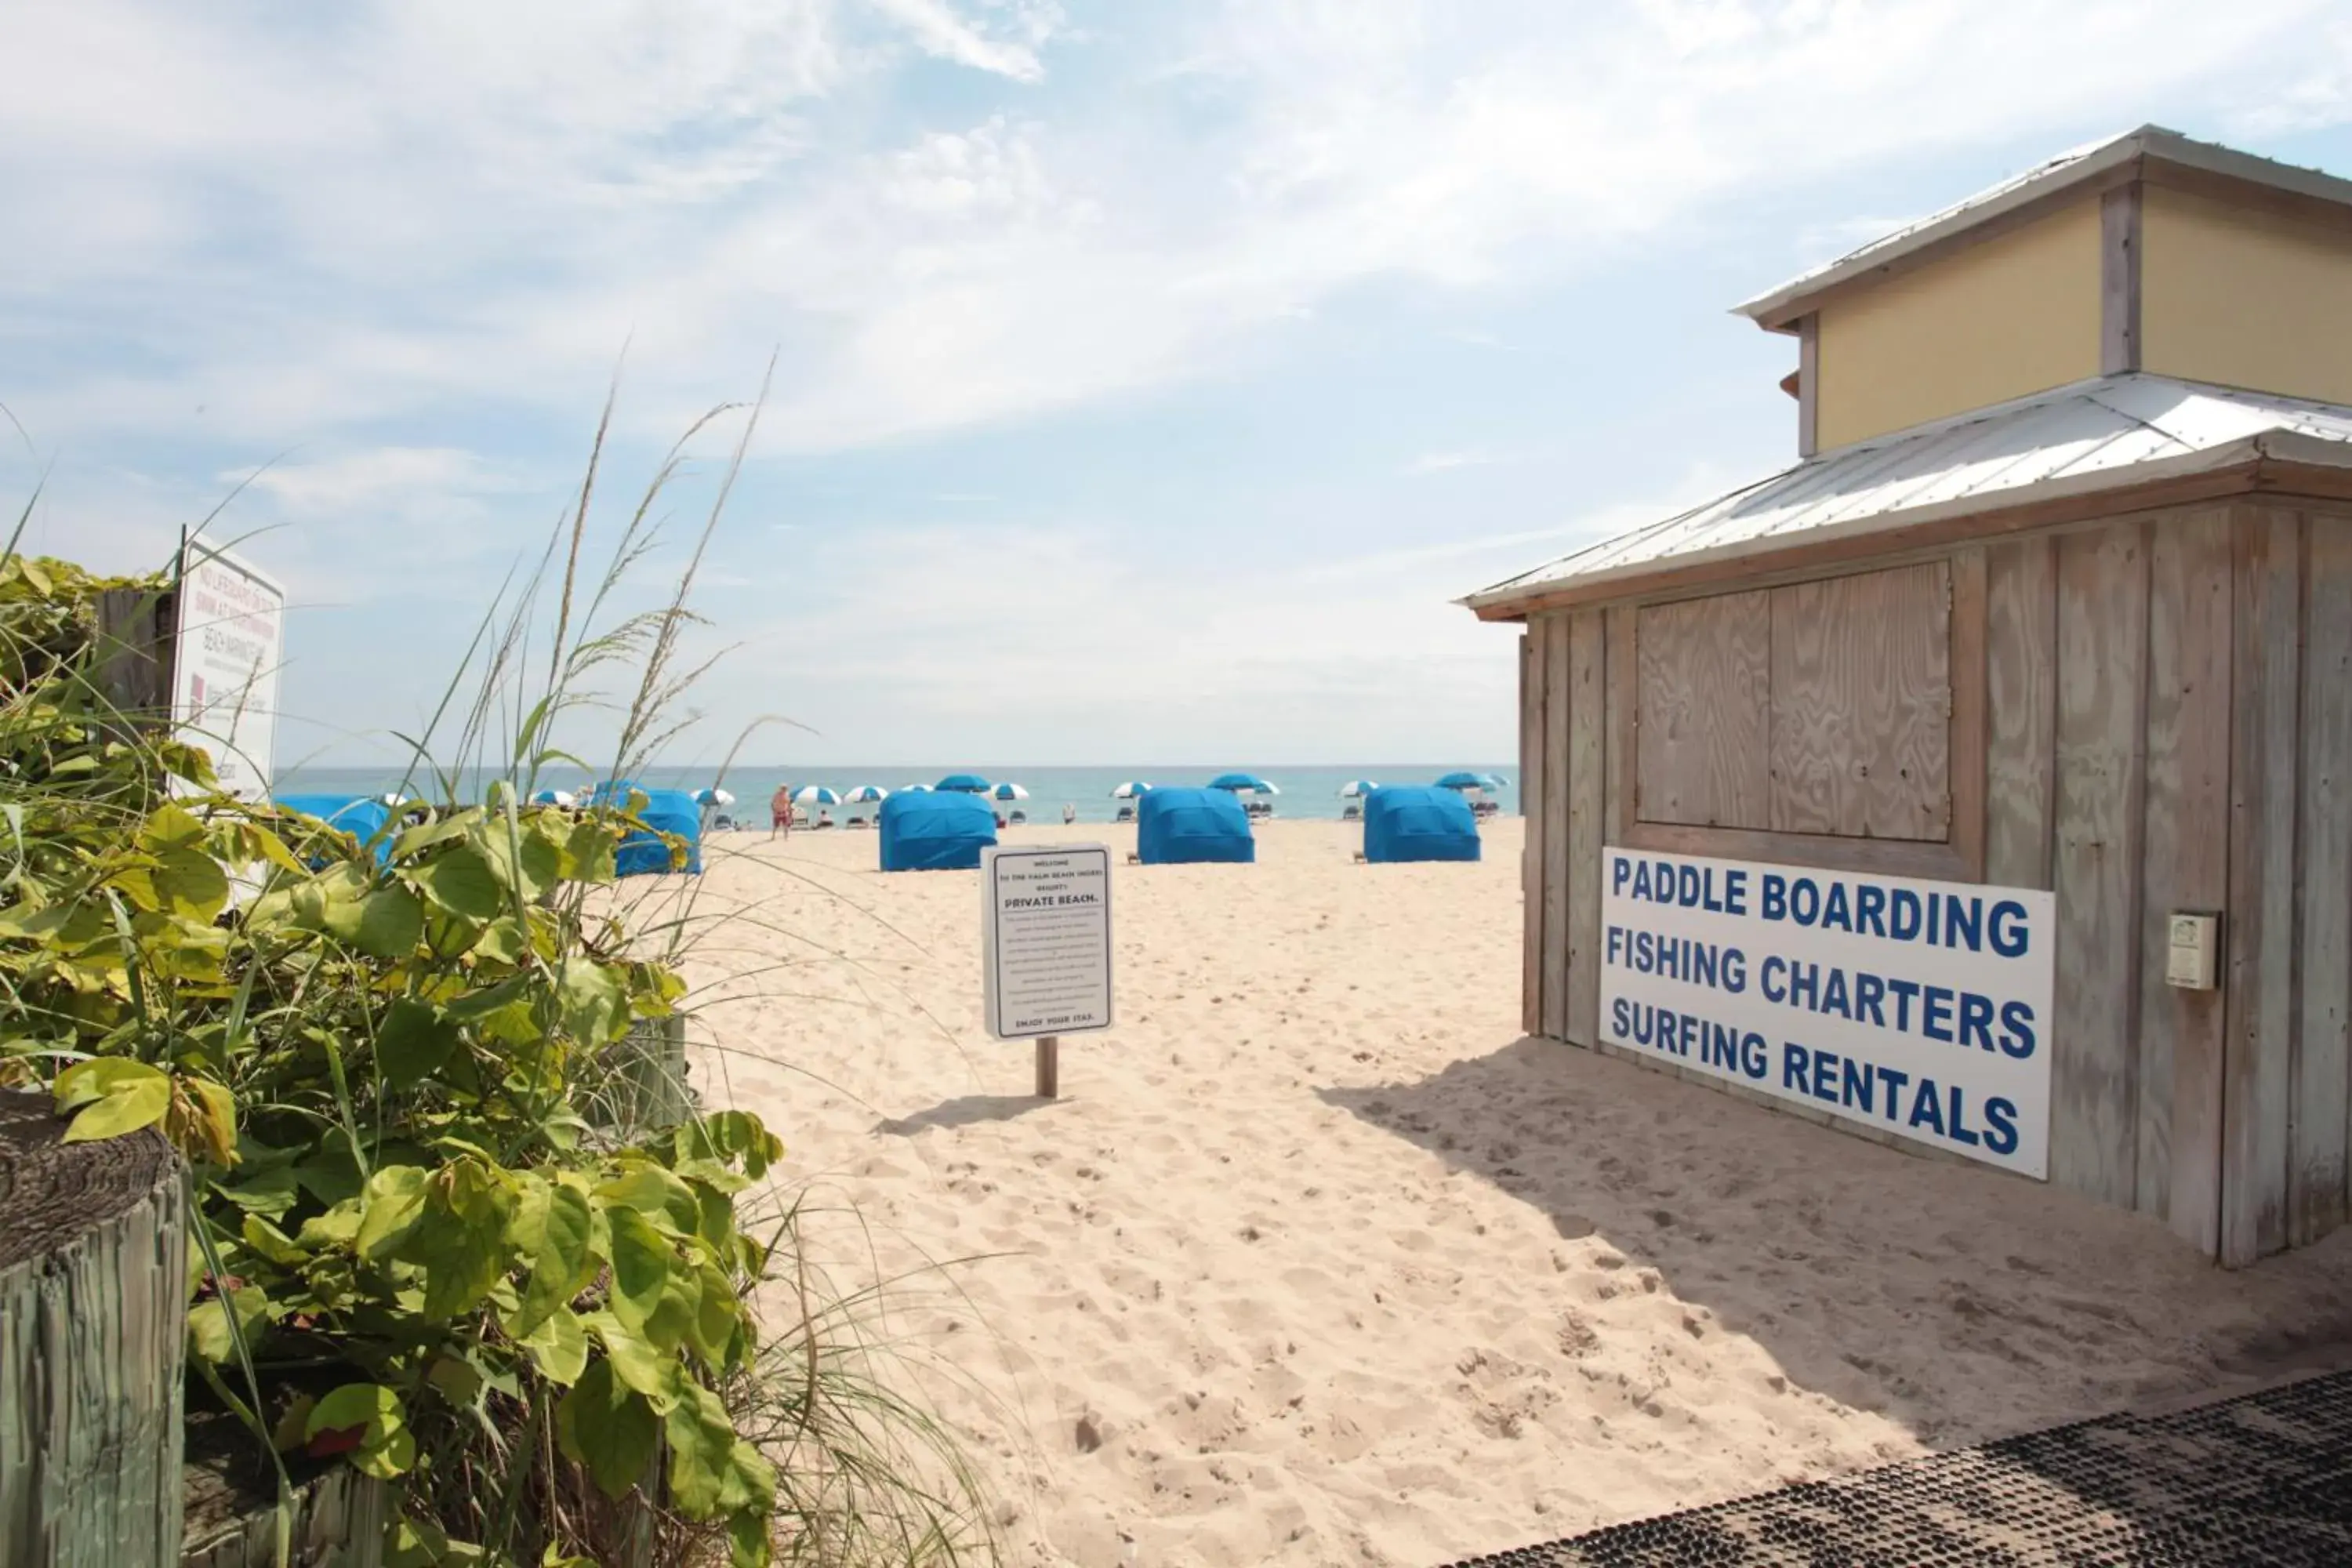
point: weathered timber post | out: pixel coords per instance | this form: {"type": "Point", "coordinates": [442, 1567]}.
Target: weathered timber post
{"type": "Point", "coordinates": [93, 1325]}
{"type": "Point", "coordinates": [648, 1089]}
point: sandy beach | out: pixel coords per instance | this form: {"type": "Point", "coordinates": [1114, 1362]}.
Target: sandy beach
{"type": "Point", "coordinates": [1318, 1261]}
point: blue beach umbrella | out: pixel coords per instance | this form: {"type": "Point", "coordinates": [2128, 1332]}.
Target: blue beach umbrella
{"type": "Point", "coordinates": [1131, 789]}
{"type": "Point", "coordinates": [814, 794]}
{"type": "Point", "coordinates": [553, 797]}
{"type": "Point", "coordinates": [865, 794]}
{"type": "Point", "coordinates": [1242, 784]}
{"type": "Point", "coordinates": [714, 796]}
{"type": "Point", "coordinates": [1463, 781]}
{"type": "Point", "coordinates": [1008, 791]}
{"type": "Point", "coordinates": [964, 784]}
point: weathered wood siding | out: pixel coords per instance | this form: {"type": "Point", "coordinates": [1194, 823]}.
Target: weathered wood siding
{"type": "Point", "coordinates": [1862, 704]}
{"type": "Point", "coordinates": [1706, 688]}
{"type": "Point", "coordinates": [2166, 726]}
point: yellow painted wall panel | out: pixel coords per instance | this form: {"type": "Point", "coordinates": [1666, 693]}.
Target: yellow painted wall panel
{"type": "Point", "coordinates": [2244, 298]}
{"type": "Point", "coordinates": [2017, 314]}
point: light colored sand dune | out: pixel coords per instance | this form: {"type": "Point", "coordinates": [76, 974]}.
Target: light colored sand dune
{"type": "Point", "coordinates": [1318, 1262]}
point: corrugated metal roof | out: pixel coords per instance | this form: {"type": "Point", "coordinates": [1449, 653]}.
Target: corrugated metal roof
{"type": "Point", "coordinates": [2083, 165]}
{"type": "Point", "coordinates": [2095, 435]}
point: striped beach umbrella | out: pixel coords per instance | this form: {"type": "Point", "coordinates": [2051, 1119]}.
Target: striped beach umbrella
{"type": "Point", "coordinates": [714, 796]}
{"type": "Point", "coordinates": [814, 794]}
{"type": "Point", "coordinates": [865, 794]}
{"type": "Point", "coordinates": [1131, 789]}
{"type": "Point", "coordinates": [553, 797]}
{"type": "Point", "coordinates": [1355, 789]}
{"type": "Point", "coordinates": [1008, 791]}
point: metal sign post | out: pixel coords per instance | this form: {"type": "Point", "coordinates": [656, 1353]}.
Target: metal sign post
{"type": "Point", "coordinates": [1045, 947]}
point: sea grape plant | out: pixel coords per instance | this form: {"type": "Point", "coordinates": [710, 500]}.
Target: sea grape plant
{"type": "Point", "coordinates": [422, 1243]}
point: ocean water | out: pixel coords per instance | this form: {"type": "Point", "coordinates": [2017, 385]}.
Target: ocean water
{"type": "Point", "coordinates": [1307, 793]}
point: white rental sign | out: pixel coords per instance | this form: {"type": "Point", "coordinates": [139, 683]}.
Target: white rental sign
{"type": "Point", "coordinates": [1045, 939]}
{"type": "Point", "coordinates": [1919, 1008]}
{"type": "Point", "coordinates": [230, 639]}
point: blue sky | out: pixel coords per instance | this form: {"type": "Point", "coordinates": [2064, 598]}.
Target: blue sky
{"type": "Point", "coordinates": [1150, 374]}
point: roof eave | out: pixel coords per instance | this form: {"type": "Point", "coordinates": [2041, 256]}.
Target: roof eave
{"type": "Point", "coordinates": [1513, 602]}
{"type": "Point", "coordinates": [1776, 309]}
{"type": "Point", "coordinates": [1779, 309]}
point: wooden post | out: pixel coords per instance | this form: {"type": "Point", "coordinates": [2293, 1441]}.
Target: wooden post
{"type": "Point", "coordinates": [1049, 1067]}
{"type": "Point", "coordinates": [93, 1322]}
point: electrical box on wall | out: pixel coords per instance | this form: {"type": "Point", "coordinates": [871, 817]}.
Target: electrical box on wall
{"type": "Point", "coordinates": [2191, 950]}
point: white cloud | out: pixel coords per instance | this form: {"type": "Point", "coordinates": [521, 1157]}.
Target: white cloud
{"type": "Point", "coordinates": [368, 480]}
{"type": "Point", "coordinates": [454, 202]}
{"type": "Point", "coordinates": [1439, 462]}
{"type": "Point", "coordinates": [941, 30]}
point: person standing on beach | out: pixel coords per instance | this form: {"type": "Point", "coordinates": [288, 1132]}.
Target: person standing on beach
{"type": "Point", "coordinates": [1070, 813]}
{"type": "Point", "coordinates": [779, 811]}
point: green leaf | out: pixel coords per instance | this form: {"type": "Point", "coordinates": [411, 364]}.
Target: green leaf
{"type": "Point", "coordinates": [717, 1309]}
{"type": "Point", "coordinates": [634, 1359]}
{"type": "Point", "coordinates": [594, 1005]}
{"type": "Point", "coordinates": [272, 1242]}
{"type": "Point", "coordinates": [588, 852]}
{"type": "Point", "coordinates": [391, 923]}
{"type": "Point", "coordinates": [701, 1451]}
{"type": "Point", "coordinates": [561, 1262]}
{"type": "Point", "coordinates": [393, 1203]}
{"type": "Point", "coordinates": [136, 1103]}
{"type": "Point", "coordinates": [458, 1380]}
{"type": "Point", "coordinates": [650, 1190]}
{"type": "Point", "coordinates": [171, 827]}
{"type": "Point", "coordinates": [641, 1266]}
{"type": "Point", "coordinates": [191, 883]}
{"type": "Point", "coordinates": [607, 1428]}
{"type": "Point", "coordinates": [461, 882]}
{"type": "Point", "coordinates": [386, 1446]}
{"type": "Point", "coordinates": [460, 1240]}
{"type": "Point", "coordinates": [212, 1331]}
{"type": "Point", "coordinates": [559, 1346]}
{"type": "Point", "coordinates": [748, 1544]}
{"type": "Point", "coordinates": [100, 1077]}
{"type": "Point", "coordinates": [412, 1042]}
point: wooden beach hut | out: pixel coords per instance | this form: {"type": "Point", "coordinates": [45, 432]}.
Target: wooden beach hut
{"type": "Point", "coordinates": [2057, 600]}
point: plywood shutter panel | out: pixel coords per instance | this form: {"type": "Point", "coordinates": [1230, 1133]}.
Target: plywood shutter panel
{"type": "Point", "coordinates": [1862, 705]}
{"type": "Point", "coordinates": [1705, 669]}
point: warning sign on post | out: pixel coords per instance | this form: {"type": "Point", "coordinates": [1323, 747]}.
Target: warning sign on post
{"type": "Point", "coordinates": [224, 666]}
{"type": "Point", "coordinates": [1045, 939]}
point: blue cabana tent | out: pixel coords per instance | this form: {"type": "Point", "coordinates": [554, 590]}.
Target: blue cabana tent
{"type": "Point", "coordinates": [361, 816]}
{"type": "Point", "coordinates": [937, 830]}
{"type": "Point", "coordinates": [673, 811]}
{"type": "Point", "coordinates": [1418, 822]}
{"type": "Point", "coordinates": [1188, 827]}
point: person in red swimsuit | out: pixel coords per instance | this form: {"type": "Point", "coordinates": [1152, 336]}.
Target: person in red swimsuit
{"type": "Point", "coordinates": [779, 811]}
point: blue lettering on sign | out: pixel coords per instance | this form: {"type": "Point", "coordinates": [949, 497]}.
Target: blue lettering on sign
{"type": "Point", "coordinates": [1837, 956]}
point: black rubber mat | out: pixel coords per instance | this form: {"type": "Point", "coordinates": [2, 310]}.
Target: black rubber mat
{"type": "Point", "coordinates": [2264, 1478]}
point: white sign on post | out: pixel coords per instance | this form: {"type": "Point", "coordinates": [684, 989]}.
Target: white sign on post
{"type": "Point", "coordinates": [1045, 938]}
{"type": "Point", "coordinates": [229, 641]}
{"type": "Point", "coordinates": [1919, 1008]}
